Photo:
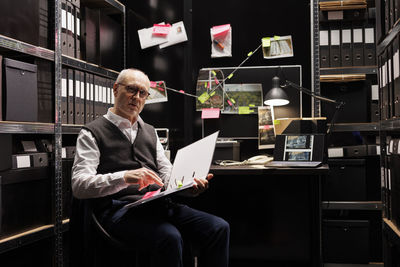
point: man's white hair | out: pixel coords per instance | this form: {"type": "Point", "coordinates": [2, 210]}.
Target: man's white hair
{"type": "Point", "coordinates": [126, 72]}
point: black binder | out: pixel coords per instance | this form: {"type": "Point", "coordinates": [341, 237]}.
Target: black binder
{"type": "Point", "coordinates": [346, 52]}
{"type": "Point", "coordinates": [64, 96]}
{"type": "Point", "coordinates": [89, 97]}
{"type": "Point", "coordinates": [396, 72]}
{"type": "Point", "coordinates": [324, 46]}
{"type": "Point", "coordinates": [385, 88]}
{"type": "Point", "coordinates": [64, 31]}
{"type": "Point", "coordinates": [96, 97]}
{"type": "Point", "coordinates": [369, 45]}
{"type": "Point", "coordinates": [390, 81]}
{"type": "Point", "coordinates": [70, 30]}
{"type": "Point", "coordinates": [334, 45]}
{"type": "Point", "coordinates": [71, 94]}
{"type": "Point", "coordinates": [358, 45]}
{"type": "Point", "coordinates": [78, 33]}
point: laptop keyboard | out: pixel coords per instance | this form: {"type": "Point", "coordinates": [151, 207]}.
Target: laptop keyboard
{"type": "Point", "coordinates": [293, 164]}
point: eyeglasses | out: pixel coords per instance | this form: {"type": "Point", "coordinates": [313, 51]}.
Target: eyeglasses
{"type": "Point", "coordinates": [134, 90]}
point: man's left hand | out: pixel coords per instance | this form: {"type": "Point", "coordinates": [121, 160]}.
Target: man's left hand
{"type": "Point", "coordinates": [201, 185]}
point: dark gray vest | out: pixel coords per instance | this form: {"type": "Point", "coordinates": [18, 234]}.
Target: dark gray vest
{"type": "Point", "coordinates": [117, 154]}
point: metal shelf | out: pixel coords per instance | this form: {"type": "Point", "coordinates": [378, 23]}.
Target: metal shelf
{"type": "Point", "coordinates": [19, 46]}
{"type": "Point", "coordinates": [349, 70]}
{"type": "Point", "coordinates": [26, 127]}
{"type": "Point", "coordinates": [352, 205]}
{"type": "Point", "coordinates": [89, 67]}
{"type": "Point", "coordinates": [25, 238]}
{"type": "Point", "coordinates": [355, 127]}
{"type": "Point", "coordinates": [390, 125]}
{"type": "Point", "coordinates": [71, 129]}
{"type": "Point", "coordinates": [388, 39]}
{"type": "Point", "coordinates": [104, 4]}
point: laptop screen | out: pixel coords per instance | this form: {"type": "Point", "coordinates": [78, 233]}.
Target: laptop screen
{"type": "Point", "coordinates": [301, 147]}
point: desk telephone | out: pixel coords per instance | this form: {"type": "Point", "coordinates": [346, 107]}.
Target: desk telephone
{"type": "Point", "coordinates": [256, 160]}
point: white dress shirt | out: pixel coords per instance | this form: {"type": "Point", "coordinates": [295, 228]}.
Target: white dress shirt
{"type": "Point", "coordinates": [85, 181]}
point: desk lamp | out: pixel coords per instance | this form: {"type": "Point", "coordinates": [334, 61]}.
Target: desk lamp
{"type": "Point", "coordinates": [278, 97]}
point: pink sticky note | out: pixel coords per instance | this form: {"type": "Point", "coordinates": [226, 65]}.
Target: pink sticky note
{"type": "Point", "coordinates": [151, 194]}
{"type": "Point", "coordinates": [160, 29]}
{"type": "Point", "coordinates": [266, 127]}
{"type": "Point", "coordinates": [216, 80]}
{"type": "Point", "coordinates": [160, 89]}
{"type": "Point", "coordinates": [229, 102]}
{"type": "Point", "coordinates": [220, 31]}
{"type": "Point", "coordinates": [182, 91]}
{"type": "Point", "coordinates": [153, 84]}
{"type": "Point", "coordinates": [210, 113]}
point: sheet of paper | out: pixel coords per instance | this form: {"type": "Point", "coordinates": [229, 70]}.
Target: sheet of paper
{"type": "Point", "coordinates": [176, 35]}
{"type": "Point", "coordinates": [147, 39]}
{"type": "Point", "coordinates": [210, 113]}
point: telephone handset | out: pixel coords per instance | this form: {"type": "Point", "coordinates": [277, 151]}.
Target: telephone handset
{"type": "Point", "coordinates": [256, 160]}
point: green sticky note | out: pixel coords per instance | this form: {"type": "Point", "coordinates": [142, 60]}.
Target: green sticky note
{"type": "Point", "coordinates": [213, 93]}
{"type": "Point", "coordinates": [233, 100]}
{"type": "Point", "coordinates": [230, 76]}
{"type": "Point", "coordinates": [213, 72]}
{"type": "Point", "coordinates": [266, 42]}
{"type": "Point", "coordinates": [249, 54]}
{"type": "Point", "coordinates": [276, 38]}
{"type": "Point", "coordinates": [277, 122]}
{"type": "Point", "coordinates": [244, 110]}
{"type": "Point", "coordinates": [203, 97]}
{"type": "Point", "coordinates": [252, 105]}
{"type": "Point", "coordinates": [179, 184]}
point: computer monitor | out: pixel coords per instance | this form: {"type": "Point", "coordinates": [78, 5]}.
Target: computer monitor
{"type": "Point", "coordinates": [299, 147]}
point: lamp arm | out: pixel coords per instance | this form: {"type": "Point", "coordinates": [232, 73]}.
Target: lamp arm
{"type": "Point", "coordinates": [308, 92]}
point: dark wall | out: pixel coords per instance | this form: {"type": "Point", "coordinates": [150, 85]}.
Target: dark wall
{"type": "Point", "coordinates": [178, 65]}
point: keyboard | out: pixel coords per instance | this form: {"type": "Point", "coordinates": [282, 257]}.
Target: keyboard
{"type": "Point", "coordinates": [283, 164]}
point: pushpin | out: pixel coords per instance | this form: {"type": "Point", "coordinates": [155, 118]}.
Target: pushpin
{"type": "Point", "coordinates": [219, 44]}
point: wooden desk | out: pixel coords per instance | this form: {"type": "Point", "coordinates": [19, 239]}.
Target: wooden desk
{"type": "Point", "coordinates": [274, 214]}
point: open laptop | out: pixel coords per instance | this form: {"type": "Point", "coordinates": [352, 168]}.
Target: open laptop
{"type": "Point", "coordinates": [301, 150]}
{"type": "Point", "coordinates": [192, 161]}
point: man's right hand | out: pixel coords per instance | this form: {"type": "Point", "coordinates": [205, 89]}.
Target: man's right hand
{"type": "Point", "coordinates": [142, 177]}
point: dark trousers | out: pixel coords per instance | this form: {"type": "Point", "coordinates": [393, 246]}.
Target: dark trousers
{"type": "Point", "coordinates": [160, 232]}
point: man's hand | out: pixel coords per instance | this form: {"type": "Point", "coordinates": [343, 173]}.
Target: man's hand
{"type": "Point", "coordinates": [201, 185]}
{"type": "Point", "coordinates": [142, 177]}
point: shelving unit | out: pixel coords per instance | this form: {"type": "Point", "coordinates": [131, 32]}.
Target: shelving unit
{"type": "Point", "coordinates": [10, 46]}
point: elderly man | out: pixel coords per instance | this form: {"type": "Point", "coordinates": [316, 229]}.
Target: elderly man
{"type": "Point", "coordinates": [118, 158]}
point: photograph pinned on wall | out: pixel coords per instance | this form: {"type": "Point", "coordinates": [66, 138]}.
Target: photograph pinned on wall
{"type": "Point", "coordinates": [209, 89]}
{"type": "Point", "coordinates": [158, 92]}
{"type": "Point", "coordinates": [277, 47]}
{"type": "Point", "coordinates": [221, 41]}
{"type": "Point", "coordinates": [266, 133]}
{"type": "Point", "coordinates": [242, 98]}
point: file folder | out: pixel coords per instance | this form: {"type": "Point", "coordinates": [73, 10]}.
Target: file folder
{"type": "Point", "coordinates": [385, 90]}
{"type": "Point", "coordinates": [77, 97]}
{"type": "Point", "coordinates": [396, 76]}
{"type": "Point", "coordinates": [324, 47]}
{"type": "Point", "coordinates": [64, 33]}
{"type": "Point", "coordinates": [358, 45]}
{"type": "Point", "coordinates": [89, 97]}
{"type": "Point", "coordinates": [78, 53]}
{"type": "Point", "coordinates": [64, 96]}
{"type": "Point", "coordinates": [334, 45]}
{"type": "Point", "coordinates": [70, 30]}
{"type": "Point", "coordinates": [347, 58]}
{"type": "Point", "coordinates": [71, 94]}
{"type": "Point", "coordinates": [390, 80]}
{"type": "Point", "coordinates": [96, 97]}
{"type": "Point", "coordinates": [83, 97]}
{"type": "Point", "coordinates": [369, 45]}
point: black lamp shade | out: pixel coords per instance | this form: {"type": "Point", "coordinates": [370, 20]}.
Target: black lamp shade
{"type": "Point", "coordinates": [276, 96]}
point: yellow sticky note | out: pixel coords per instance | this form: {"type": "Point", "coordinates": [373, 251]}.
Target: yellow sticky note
{"type": "Point", "coordinates": [249, 54]}
{"type": "Point", "coordinates": [179, 184]}
{"type": "Point", "coordinates": [213, 93]}
{"type": "Point", "coordinates": [213, 72]}
{"type": "Point", "coordinates": [244, 110]}
{"type": "Point", "coordinates": [230, 75]}
{"type": "Point", "coordinates": [277, 122]}
{"type": "Point", "coordinates": [266, 42]}
{"type": "Point", "coordinates": [276, 38]}
{"type": "Point", "coordinates": [203, 97]}
{"type": "Point", "coordinates": [233, 100]}
{"type": "Point", "coordinates": [252, 105]}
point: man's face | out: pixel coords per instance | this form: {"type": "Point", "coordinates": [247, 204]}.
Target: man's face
{"type": "Point", "coordinates": [130, 95]}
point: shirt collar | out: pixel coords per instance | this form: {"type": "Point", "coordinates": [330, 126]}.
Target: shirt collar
{"type": "Point", "coordinates": [121, 122]}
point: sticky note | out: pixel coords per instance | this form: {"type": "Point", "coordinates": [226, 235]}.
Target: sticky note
{"type": "Point", "coordinates": [277, 122]}
{"type": "Point", "coordinates": [230, 76]}
{"type": "Point", "coordinates": [276, 38]}
{"type": "Point", "coordinates": [161, 29]}
{"type": "Point", "coordinates": [216, 80]}
{"type": "Point", "coordinates": [252, 105]}
{"type": "Point", "coordinates": [210, 113]}
{"type": "Point", "coordinates": [214, 73]}
{"type": "Point", "coordinates": [266, 42]}
{"type": "Point", "coordinates": [153, 84]}
{"type": "Point", "coordinates": [213, 93]}
{"type": "Point", "coordinates": [151, 194]}
{"type": "Point", "coordinates": [203, 97]}
{"type": "Point", "coordinates": [179, 184]}
{"type": "Point", "coordinates": [266, 127]}
{"type": "Point", "coordinates": [229, 102]}
{"type": "Point", "coordinates": [160, 89]}
{"type": "Point", "coordinates": [244, 110]}
{"type": "Point", "coordinates": [220, 31]}
{"type": "Point", "coordinates": [233, 101]}
{"type": "Point", "coordinates": [249, 54]}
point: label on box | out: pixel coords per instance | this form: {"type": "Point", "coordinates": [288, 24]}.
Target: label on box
{"type": "Point", "coordinates": [336, 152]}
{"type": "Point", "coordinates": [23, 161]}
